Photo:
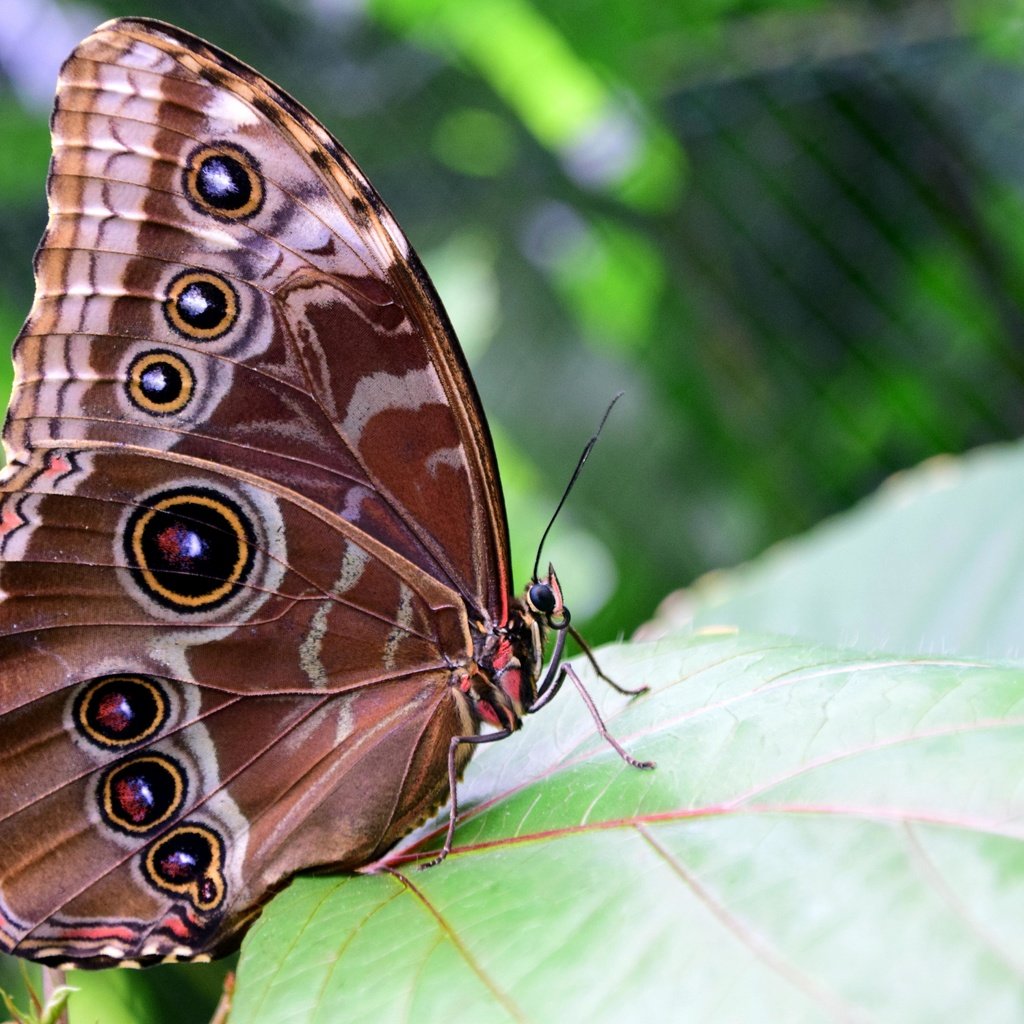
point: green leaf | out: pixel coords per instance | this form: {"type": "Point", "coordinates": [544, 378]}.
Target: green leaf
{"type": "Point", "coordinates": [56, 1005]}
{"type": "Point", "coordinates": [50, 1012]}
{"type": "Point", "coordinates": [827, 836]}
{"type": "Point", "coordinates": [934, 562]}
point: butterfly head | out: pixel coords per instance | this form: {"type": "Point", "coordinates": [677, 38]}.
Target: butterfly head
{"type": "Point", "coordinates": [543, 598]}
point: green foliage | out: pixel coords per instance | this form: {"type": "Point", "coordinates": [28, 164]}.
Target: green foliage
{"type": "Point", "coordinates": [176, 993]}
{"type": "Point", "coordinates": [39, 1013]}
{"type": "Point", "coordinates": [826, 835]}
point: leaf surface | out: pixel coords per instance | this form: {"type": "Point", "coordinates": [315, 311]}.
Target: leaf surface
{"type": "Point", "coordinates": [826, 837]}
{"type": "Point", "coordinates": [933, 562]}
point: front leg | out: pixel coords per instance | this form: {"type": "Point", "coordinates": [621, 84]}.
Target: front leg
{"type": "Point", "coordinates": [568, 670]}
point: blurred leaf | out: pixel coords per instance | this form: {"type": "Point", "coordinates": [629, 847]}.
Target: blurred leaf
{"type": "Point", "coordinates": [609, 275]}
{"type": "Point", "coordinates": [474, 141]}
{"type": "Point", "coordinates": [113, 997]}
{"type": "Point", "coordinates": [998, 23]}
{"type": "Point", "coordinates": [530, 64]}
{"type": "Point", "coordinates": [565, 102]}
{"type": "Point", "coordinates": [182, 993]}
{"type": "Point", "coordinates": [25, 153]}
{"type": "Point", "coordinates": [463, 269]}
{"type": "Point", "coordinates": [934, 562]}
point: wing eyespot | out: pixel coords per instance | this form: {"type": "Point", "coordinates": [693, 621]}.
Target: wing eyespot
{"type": "Point", "coordinates": [225, 181]}
{"type": "Point", "coordinates": [141, 793]}
{"type": "Point", "coordinates": [201, 306]}
{"type": "Point", "coordinates": [160, 383]}
{"type": "Point", "coordinates": [189, 862]}
{"type": "Point", "coordinates": [190, 549]}
{"type": "Point", "coordinates": [118, 712]}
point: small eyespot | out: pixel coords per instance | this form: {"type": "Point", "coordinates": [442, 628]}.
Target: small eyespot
{"type": "Point", "coordinates": [542, 598]}
{"type": "Point", "coordinates": [141, 793]}
{"type": "Point", "coordinates": [160, 383]}
{"type": "Point", "coordinates": [189, 549]}
{"type": "Point", "coordinates": [120, 711]}
{"type": "Point", "coordinates": [201, 306]}
{"type": "Point", "coordinates": [189, 862]}
{"type": "Point", "coordinates": [224, 181]}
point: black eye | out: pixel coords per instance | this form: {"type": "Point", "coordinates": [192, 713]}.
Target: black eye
{"type": "Point", "coordinates": [542, 597]}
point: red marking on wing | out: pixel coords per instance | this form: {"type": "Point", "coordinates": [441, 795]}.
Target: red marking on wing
{"type": "Point", "coordinates": [133, 800]}
{"type": "Point", "coordinates": [174, 924]}
{"type": "Point", "coordinates": [10, 520]}
{"type": "Point", "coordinates": [177, 544]}
{"type": "Point", "coordinates": [57, 465]}
{"type": "Point", "coordinates": [100, 933]}
{"type": "Point", "coordinates": [114, 712]}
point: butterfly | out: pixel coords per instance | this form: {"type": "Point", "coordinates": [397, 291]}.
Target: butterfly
{"type": "Point", "coordinates": [255, 603]}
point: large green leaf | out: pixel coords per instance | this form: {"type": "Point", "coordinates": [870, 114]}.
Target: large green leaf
{"type": "Point", "coordinates": [934, 562]}
{"type": "Point", "coordinates": [827, 836]}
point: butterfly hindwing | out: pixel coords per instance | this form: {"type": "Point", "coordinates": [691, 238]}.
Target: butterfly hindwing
{"type": "Point", "coordinates": [152, 817]}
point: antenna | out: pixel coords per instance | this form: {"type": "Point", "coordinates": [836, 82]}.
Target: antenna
{"type": "Point", "coordinates": [584, 455]}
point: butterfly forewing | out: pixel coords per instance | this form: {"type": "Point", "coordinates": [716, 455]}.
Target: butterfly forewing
{"type": "Point", "coordinates": [249, 513]}
{"type": "Point", "coordinates": [319, 357]}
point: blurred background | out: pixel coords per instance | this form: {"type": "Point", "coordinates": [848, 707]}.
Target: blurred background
{"type": "Point", "coordinates": [789, 230]}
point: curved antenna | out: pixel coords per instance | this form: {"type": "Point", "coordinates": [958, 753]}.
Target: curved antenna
{"type": "Point", "coordinates": [584, 455]}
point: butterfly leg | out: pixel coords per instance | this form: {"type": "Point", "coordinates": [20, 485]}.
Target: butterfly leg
{"type": "Point", "coordinates": [568, 670]}
{"type": "Point", "coordinates": [453, 780]}
{"type": "Point", "coordinates": [585, 648]}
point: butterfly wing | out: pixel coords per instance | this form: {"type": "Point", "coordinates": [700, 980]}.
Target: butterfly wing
{"type": "Point", "coordinates": [247, 471]}
{"type": "Point", "coordinates": [160, 834]}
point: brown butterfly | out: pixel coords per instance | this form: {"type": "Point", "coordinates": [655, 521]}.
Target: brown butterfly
{"type": "Point", "coordinates": [254, 591]}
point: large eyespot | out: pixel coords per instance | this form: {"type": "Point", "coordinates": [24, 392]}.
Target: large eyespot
{"type": "Point", "coordinates": [141, 793]}
{"type": "Point", "coordinates": [189, 862]}
{"type": "Point", "coordinates": [201, 306]}
{"type": "Point", "coordinates": [190, 549]}
{"type": "Point", "coordinates": [160, 383]}
{"type": "Point", "coordinates": [224, 180]}
{"type": "Point", "coordinates": [117, 712]}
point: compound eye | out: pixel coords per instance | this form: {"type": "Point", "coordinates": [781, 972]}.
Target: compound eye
{"type": "Point", "coordinates": [542, 598]}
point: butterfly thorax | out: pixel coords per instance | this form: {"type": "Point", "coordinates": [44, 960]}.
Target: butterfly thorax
{"type": "Point", "coordinates": [502, 685]}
